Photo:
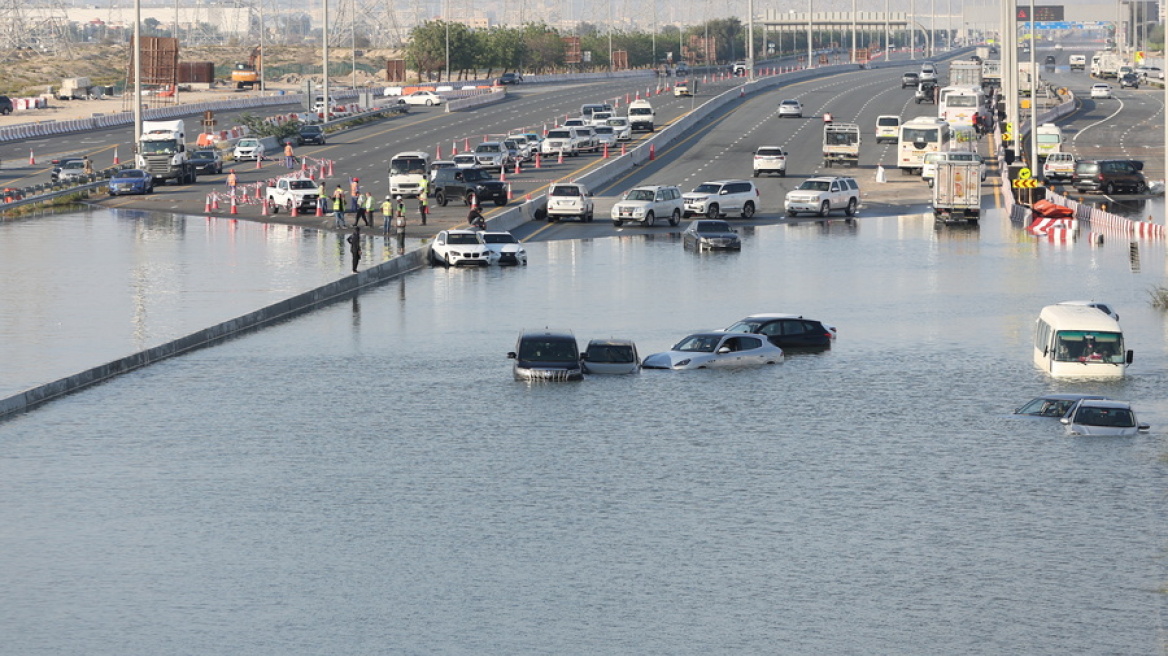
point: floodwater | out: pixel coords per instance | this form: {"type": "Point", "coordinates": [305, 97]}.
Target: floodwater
{"type": "Point", "coordinates": [370, 479]}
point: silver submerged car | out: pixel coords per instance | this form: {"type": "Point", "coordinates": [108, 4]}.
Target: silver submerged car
{"type": "Point", "coordinates": [1104, 418]}
{"type": "Point", "coordinates": [611, 356]}
{"type": "Point", "coordinates": [716, 349]}
{"type": "Point", "coordinates": [710, 234]}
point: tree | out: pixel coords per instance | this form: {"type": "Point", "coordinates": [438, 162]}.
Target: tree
{"type": "Point", "coordinates": [426, 52]}
{"type": "Point", "coordinates": [543, 47]}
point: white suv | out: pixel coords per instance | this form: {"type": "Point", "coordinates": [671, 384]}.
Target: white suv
{"type": "Point", "coordinates": [646, 204]}
{"type": "Point", "coordinates": [720, 198]}
{"type": "Point", "coordinates": [492, 155]}
{"type": "Point", "coordinates": [560, 140]}
{"type": "Point", "coordinates": [567, 200]}
{"type": "Point", "coordinates": [822, 195]}
{"type": "Point", "coordinates": [770, 159]}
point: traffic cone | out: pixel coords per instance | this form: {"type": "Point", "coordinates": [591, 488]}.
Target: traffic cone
{"type": "Point", "coordinates": [622, 149]}
{"type": "Point", "coordinates": [518, 169]}
{"type": "Point", "coordinates": [537, 162]}
{"type": "Point", "coordinates": [502, 174]}
{"type": "Point", "coordinates": [31, 158]}
{"type": "Point", "coordinates": [259, 195]}
{"type": "Point", "coordinates": [474, 201]}
{"type": "Point", "coordinates": [560, 160]}
{"type": "Point", "coordinates": [741, 92]}
{"type": "Point", "coordinates": [453, 148]}
{"type": "Point", "coordinates": [295, 208]}
{"type": "Point", "coordinates": [215, 201]}
{"type": "Point", "coordinates": [264, 208]}
{"type": "Point", "coordinates": [330, 166]}
{"type": "Point", "coordinates": [527, 199]}
{"type": "Point", "coordinates": [605, 151]}
{"type": "Point", "coordinates": [465, 144]}
{"type": "Point", "coordinates": [319, 209]}
{"type": "Point", "coordinates": [116, 160]}
{"type": "Point", "coordinates": [206, 204]}
{"type": "Point", "coordinates": [510, 196]}
{"type": "Point", "coordinates": [437, 152]}
{"type": "Point", "coordinates": [259, 163]}
{"type": "Point", "coordinates": [652, 152]}
{"type": "Point", "coordinates": [233, 210]}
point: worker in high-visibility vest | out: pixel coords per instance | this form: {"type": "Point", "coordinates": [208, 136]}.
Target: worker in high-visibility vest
{"type": "Point", "coordinates": [367, 204]}
{"type": "Point", "coordinates": [289, 156]}
{"type": "Point", "coordinates": [386, 214]}
{"type": "Point", "coordinates": [232, 182]}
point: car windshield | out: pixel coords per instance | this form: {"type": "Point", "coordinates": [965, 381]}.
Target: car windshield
{"type": "Point", "coordinates": [815, 185]}
{"type": "Point", "coordinates": [547, 350]}
{"type": "Point", "coordinates": [204, 154]}
{"type": "Point", "coordinates": [713, 226]}
{"type": "Point", "coordinates": [311, 129]}
{"type": "Point", "coordinates": [474, 175]}
{"type": "Point", "coordinates": [499, 238]}
{"type": "Point", "coordinates": [640, 111]}
{"type": "Point", "coordinates": [618, 122]}
{"type": "Point", "coordinates": [707, 188]}
{"type": "Point", "coordinates": [614, 353]}
{"type": "Point", "coordinates": [888, 121]}
{"type": "Point", "coordinates": [248, 143]}
{"type": "Point", "coordinates": [933, 158]}
{"type": "Point", "coordinates": [74, 164]}
{"type": "Point", "coordinates": [464, 159]}
{"type": "Point", "coordinates": [698, 343]}
{"type": "Point", "coordinates": [461, 238]}
{"type": "Point", "coordinates": [488, 148]}
{"type": "Point", "coordinates": [564, 190]}
{"type": "Point", "coordinates": [1088, 346]}
{"type": "Point", "coordinates": [407, 166]}
{"type": "Point", "coordinates": [1111, 417]}
{"type": "Point", "coordinates": [559, 134]}
{"type": "Point", "coordinates": [301, 184]}
{"type": "Point", "coordinates": [745, 327]}
{"type": "Point", "coordinates": [132, 173]}
{"type": "Point", "coordinates": [157, 147]}
{"type": "Point", "coordinates": [640, 194]}
{"type": "Point", "coordinates": [1043, 407]}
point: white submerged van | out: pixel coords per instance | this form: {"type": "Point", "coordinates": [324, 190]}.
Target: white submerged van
{"type": "Point", "coordinates": [1079, 341]}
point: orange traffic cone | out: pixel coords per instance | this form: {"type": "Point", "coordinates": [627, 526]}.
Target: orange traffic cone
{"type": "Point", "coordinates": [606, 151]}
{"type": "Point", "coordinates": [453, 148]}
{"type": "Point", "coordinates": [233, 210]}
{"type": "Point", "coordinates": [264, 208]}
{"type": "Point", "coordinates": [295, 208]}
{"type": "Point", "coordinates": [537, 163]}
{"type": "Point", "coordinates": [502, 174]}
{"type": "Point", "coordinates": [319, 208]}
{"type": "Point", "coordinates": [215, 201]}
{"type": "Point", "coordinates": [31, 158]}
{"type": "Point", "coordinates": [259, 162]}
{"type": "Point", "coordinates": [622, 149]}
{"type": "Point", "coordinates": [116, 160]}
{"type": "Point", "coordinates": [560, 160]}
{"type": "Point", "coordinates": [465, 144]}
{"type": "Point", "coordinates": [206, 204]}
{"type": "Point", "coordinates": [518, 170]}
{"type": "Point", "coordinates": [510, 196]}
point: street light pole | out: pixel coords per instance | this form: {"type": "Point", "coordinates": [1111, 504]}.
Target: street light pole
{"type": "Point", "coordinates": [750, 40]}
{"type": "Point", "coordinates": [327, 103]}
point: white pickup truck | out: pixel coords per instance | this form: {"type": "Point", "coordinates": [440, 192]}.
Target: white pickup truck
{"type": "Point", "coordinates": [292, 192]}
{"type": "Point", "coordinates": [1058, 167]}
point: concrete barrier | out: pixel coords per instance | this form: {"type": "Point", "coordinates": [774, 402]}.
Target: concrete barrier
{"type": "Point", "coordinates": [312, 299]}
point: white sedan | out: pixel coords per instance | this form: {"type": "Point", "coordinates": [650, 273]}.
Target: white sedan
{"type": "Point", "coordinates": [455, 247]}
{"type": "Point", "coordinates": [427, 98]}
{"type": "Point", "coordinates": [506, 247]}
{"type": "Point", "coordinates": [1100, 91]}
{"type": "Point", "coordinates": [791, 108]}
{"type": "Point", "coordinates": [716, 349]}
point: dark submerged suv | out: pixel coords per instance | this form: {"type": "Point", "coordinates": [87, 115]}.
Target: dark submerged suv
{"type": "Point", "coordinates": [1109, 176]}
{"type": "Point", "coordinates": [786, 330]}
{"type": "Point", "coordinates": [456, 183]}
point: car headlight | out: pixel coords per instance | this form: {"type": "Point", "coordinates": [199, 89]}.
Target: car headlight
{"type": "Point", "coordinates": [682, 363]}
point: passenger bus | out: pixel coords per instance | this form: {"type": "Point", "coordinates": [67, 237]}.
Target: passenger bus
{"type": "Point", "coordinates": [1079, 341]}
{"type": "Point", "coordinates": [917, 138]}
{"type": "Point", "coordinates": [957, 105]}
{"type": "Point", "coordinates": [407, 171]}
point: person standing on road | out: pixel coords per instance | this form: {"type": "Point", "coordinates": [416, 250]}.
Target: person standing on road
{"type": "Point", "coordinates": [289, 156]}
{"type": "Point", "coordinates": [354, 186]}
{"type": "Point", "coordinates": [358, 206]}
{"type": "Point", "coordinates": [88, 165]}
{"type": "Point", "coordinates": [322, 197]}
{"type": "Point", "coordinates": [400, 222]}
{"type": "Point", "coordinates": [339, 209]}
{"type": "Point", "coordinates": [355, 246]}
{"type": "Point", "coordinates": [232, 182]}
{"type": "Point", "coordinates": [386, 214]}
{"type": "Point", "coordinates": [368, 206]}
{"type": "Point", "coordinates": [423, 207]}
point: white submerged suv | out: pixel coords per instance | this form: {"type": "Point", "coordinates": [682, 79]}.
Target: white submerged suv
{"type": "Point", "coordinates": [822, 195]}
{"type": "Point", "coordinates": [569, 200]}
{"type": "Point", "coordinates": [647, 204]}
{"type": "Point", "coordinates": [720, 198]}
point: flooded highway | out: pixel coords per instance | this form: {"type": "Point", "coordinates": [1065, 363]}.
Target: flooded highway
{"type": "Point", "coordinates": [369, 478]}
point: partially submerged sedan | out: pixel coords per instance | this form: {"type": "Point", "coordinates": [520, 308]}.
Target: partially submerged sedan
{"type": "Point", "coordinates": [1054, 406]}
{"type": "Point", "coordinates": [710, 234]}
{"type": "Point", "coordinates": [507, 249]}
{"type": "Point", "coordinates": [1103, 417]}
{"type": "Point", "coordinates": [716, 349]}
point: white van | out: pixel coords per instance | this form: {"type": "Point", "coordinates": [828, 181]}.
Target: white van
{"type": "Point", "coordinates": [1079, 341]}
{"type": "Point", "coordinates": [641, 115]}
{"type": "Point", "coordinates": [887, 128]}
{"type": "Point", "coordinates": [407, 171]}
{"type": "Point", "coordinates": [1050, 139]}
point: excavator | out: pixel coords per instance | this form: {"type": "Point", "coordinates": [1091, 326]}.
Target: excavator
{"type": "Point", "coordinates": [247, 75]}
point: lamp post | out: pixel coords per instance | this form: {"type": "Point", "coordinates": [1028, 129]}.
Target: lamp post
{"type": "Point", "coordinates": [137, 75]}
{"type": "Point", "coordinates": [810, 14]}
{"type": "Point", "coordinates": [750, 40]}
{"type": "Point", "coordinates": [325, 95]}
{"type": "Point", "coordinates": [446, 24]}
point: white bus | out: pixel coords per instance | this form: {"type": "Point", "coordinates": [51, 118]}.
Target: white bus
{"type": "Point", "coordinates": [957, 105]}
{"type": "Point", "coordinates": [917, 137]}
{"type": "Point", "coordinates": [1079, 341]}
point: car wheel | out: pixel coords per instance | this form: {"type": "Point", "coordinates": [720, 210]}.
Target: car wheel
{"type": "Point", "coordinates": [825, 209]}
{"type": "Point", "coordinates": [446, 260]}
{"type": "Point", "coordinates": [290, 205]}
{"type": "Point", "coordinates": [1109, 189]}
{"type": "Point", "coordinates": [650, 219]}
{"type": "Point", "coordinates": [1141, 188]}
{"type": "Point", "coordinates": [589, 217]}
{"type": "Point", "coordinates": [851, 209]}
{"type": "Point", "coordinates": [441, 199]}
{"type": "Point", "coordinates": [274, 205]}
{"type": "Point", "coordinates": [675, 218]}
{"type": "Point", "coordinates": [783, 173]}
{"type": "Point", "coordinates": [756, 173]}
{"type": "Point", "coordinates": [712, 211]}
{"type": "Point", "coordinates": [748, 210]}
{"type": "Point", "coordinates": [616, 223]}
{"type": "Point", "coordinates": [500, 202]}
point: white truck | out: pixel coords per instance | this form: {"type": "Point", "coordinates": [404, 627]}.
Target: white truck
{"type": "Point", "coordinates": [983, 52]}
{"type": "Point", "coordinates": [1058, 167]}
{"type": "Point", "coordinates": [74, 88]}
{"type": "Point", "coordinates": [1105, 64]}
{"type": "Point", "coordinates": [162, 152]}
{"type": "Point", "coordinates": [1078, 62]}
{"type": "Point", "coordinates": [641, 115]}
{"type": "Point", "coordinates": [287, 193]}
{"type": "Point", "coordinates": [991, 72]}
{"type": "Point", "coordinates": [841, 144]}
{"type": "Point", "coordinates": [965, 74]}
{"type": "Point", "coordinates": [957, 191]}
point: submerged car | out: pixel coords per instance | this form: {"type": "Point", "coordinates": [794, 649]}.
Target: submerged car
{"type": "Point", "coordinates": [1103, 417]}
{"type": "Point", "coordinates": [131, 181]}
{"type": "Point", "coordinates": [507, 248]}
{"type": "Point", "coordinates": [716, 349]}
{"type": "Point", "coordinates": [455, 247]}
{"type": "Point", "coordinates": [1055, 406]}
{"type": "Point", "coordinates": [610, 356]}
{"type": "Point", "coordinates": [546, 355]}
{"type": "Point", "coordinates": [787, 330]}
{"type": "Point", "coordinates": [710, 234]}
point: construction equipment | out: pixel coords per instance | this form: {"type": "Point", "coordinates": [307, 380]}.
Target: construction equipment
{"type": "Point", "coordinates": [248, 75]}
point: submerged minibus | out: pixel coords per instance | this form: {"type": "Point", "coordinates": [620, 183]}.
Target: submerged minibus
{"type": "Point", "coordinates": [1079, 341]}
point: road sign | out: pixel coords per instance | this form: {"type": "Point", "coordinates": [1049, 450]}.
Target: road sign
{"type": "Point", "coordinates": [1024, 173]}
{"type": "Point", "coordinates": [1041, 13]}
{"type": "Point", "coordinates": [1029, 183]}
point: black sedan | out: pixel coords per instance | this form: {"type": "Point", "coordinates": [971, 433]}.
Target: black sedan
{"type": "Point", "coordinates": [710, 234]}
{"type": "Point", "coordinates": [787, 330]}
{"type": "Point", "coordinates": [207, 161]}
{"type": "Point", "coordinates": [311, 134]}
{"type": "Point", "coordinates": [131, 181]}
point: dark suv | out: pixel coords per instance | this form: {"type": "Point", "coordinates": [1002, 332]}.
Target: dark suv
{"type": "Point", "coordinates": [461, 183]}
{"type": "Point", "coordinates": [311, 134]}
{"type": "Point", "coordinates": [786, 330]}
{"type": "Point", "coordinates": [1108, 176]}
{"type": "Point", "coordinates": [5, 105]}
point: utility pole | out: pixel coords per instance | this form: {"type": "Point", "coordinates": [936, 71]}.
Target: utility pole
{"type": "Point", "coordinates": [327, 104]}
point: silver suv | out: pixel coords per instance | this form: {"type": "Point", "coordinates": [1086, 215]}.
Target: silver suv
{"type": "Point", "coordinates": [492, 155]}
{"type": "Point", "coordinates": [568, 200]}
{"type": "Point", "coordinates": [720, 198]}
{"type": "Point", "coordinates": [646, 204]}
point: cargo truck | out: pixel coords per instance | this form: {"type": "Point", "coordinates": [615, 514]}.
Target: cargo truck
{"type": "Point", "coordinates": [991, 73]}
{"type": "Point", "coordinates": [957, 191]}
{"type": "Point", "coordinates": [74, 88]}
{"type": "Point", "coordinates": [965, 74]}
{"type": "Point", "coordinates": [841, 144]}
{"type": "Point", "coordinates": [162, 152]}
